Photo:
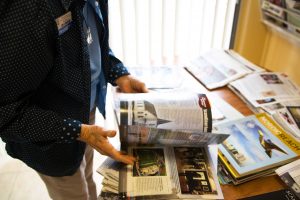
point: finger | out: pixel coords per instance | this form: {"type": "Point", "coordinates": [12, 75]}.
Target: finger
{"type": "Point", "coordinates": [140, 87]}
{"type": "Point", "coordinates": [99, 150]}
{"type": "Point", "coordinates": [125, 159]}
{"type": "Point", "coordinates": [109, 133]}
{"type": "Point", "coordinates": [117, 155]}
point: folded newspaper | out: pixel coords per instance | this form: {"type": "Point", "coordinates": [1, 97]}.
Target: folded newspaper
{"type": "Point", "coordinates": [266, 90]}
{"type": "Point", "coordinates": [216, 68]}
{"type": "Point", "coordinates": [169, 136]}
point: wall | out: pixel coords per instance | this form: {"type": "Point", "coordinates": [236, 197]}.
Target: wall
{"type": "Point", "coordinates": [263, 46]}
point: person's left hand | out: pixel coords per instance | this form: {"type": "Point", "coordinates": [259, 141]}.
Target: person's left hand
{"type": "Point", "coordinates": [129, 84]}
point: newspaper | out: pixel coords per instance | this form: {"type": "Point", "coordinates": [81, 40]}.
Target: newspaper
{"type": "Point", "coordinates": [172, 172]}
{"type": "Point", "coordinates": [217, 68]}
{"type": "Point", "coordinates": [168, 133]}
{"type": "Point", "coordinates": [194, 163]}
{"type": "Point", "coordinates": [265, 88]}
{"type": "Point", "coordinates": [290, 174]}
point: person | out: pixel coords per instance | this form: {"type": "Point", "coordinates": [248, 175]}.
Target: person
{"type": "Point", "coordinates": [55, 63]}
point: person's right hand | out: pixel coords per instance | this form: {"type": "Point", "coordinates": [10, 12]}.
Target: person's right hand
{"type": "Point", "coordinates": [97, 137]}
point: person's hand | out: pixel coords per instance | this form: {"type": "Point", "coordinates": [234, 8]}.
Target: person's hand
{"type": "Point", "coordinates": [97, 138]}
{"type": "Point", "coordinates": [129, 84]}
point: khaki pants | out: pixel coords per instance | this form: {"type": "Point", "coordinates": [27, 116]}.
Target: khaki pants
{"type": "Point", "coordinates": [79, 186]}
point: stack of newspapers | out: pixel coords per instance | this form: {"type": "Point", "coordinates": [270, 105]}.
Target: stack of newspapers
{"type": "Point", "coordinates": [110, 183]}
{"type": "Point", "coordinates": [256, 147]}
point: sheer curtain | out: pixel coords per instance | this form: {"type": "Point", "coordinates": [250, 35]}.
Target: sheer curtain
{"type": "Point", "coordinates": [167, 32]}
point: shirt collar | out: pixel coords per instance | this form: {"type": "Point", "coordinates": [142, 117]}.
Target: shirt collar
{"type": "Point", "coordinates": [66, 4]}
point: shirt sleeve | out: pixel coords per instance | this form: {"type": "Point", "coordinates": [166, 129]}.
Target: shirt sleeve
{"type": "Point", "coordinates": [70, 131]}
{"type": "Point", "coordinates": [117, 69]}
{"type": "Point", "coordinates": [25, 64]}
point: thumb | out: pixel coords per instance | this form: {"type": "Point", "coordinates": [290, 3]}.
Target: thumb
{"type": "Point", "coordinates": [109, 133]}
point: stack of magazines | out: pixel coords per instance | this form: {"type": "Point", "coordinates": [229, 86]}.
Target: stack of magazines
{"type": "Point", "coordinates": [255, 148]}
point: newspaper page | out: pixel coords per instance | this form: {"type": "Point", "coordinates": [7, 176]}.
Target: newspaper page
{"type": "Point", "coordinates": [265, 88]}
{"type": "Point", "coordinates": [256, 143]}
{"type": "Point", "coordinates": [189, 111]}
{"type": "Point", "coordinates": [216, 68]}
{"type": "Point", "coordinates": [247, 63]}
{"type": "Point", "coordinates": [290, 174]}
{"type": "Point", "coordinates": [150, 175]}
{"type": "Point", "coordinates": [172, 172]}
{"type": "Point", "coordinates": [273, 107]}
{"type": "Point", "coordinates": [158, 77]}
{"type": "Point", "coordinates": [133, 135]}
{"type": "Point", "coordinates": [222, 111]}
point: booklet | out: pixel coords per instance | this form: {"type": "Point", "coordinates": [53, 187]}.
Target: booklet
{"type": "Point", "coordinates": [169, 135]}
{"type": "Point", "coordinates": [217, 68]}
{"type": "Point", "coordinates": [256, 144]}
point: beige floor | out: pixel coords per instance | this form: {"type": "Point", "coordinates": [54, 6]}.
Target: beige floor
{"type": "Point", "coordinates": [19, 182]}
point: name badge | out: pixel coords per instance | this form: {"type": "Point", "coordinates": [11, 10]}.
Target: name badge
{"type": "Point", "coordinates": [64, 22]}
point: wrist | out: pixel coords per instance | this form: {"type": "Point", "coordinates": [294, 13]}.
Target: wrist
{"type": "Point", "coordinates": [119, 81]}
{"type": "Point", "coordinates": [84, 132]}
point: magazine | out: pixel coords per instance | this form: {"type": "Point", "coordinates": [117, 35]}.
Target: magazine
{"type": "Point", "coordinates": [169, 135]}
{"type": "Point", "coordinates": [217, 68]}
{"type": "Point", "coordinates": [256, 144]}
{"type": "Point", "coordinates": [265, 88]}
{"type": "Point", "coordinates": [290, 174]}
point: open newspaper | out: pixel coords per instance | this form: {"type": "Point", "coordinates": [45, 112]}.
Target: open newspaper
{"type": "Point", "coordinates": [265, 90]}
{"type": "Point", "coordinates": [216, 68]}
{"type": "Point", "coordinates": [169, 135]}
{"type": "Point", "coordinates": [256, 146]}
